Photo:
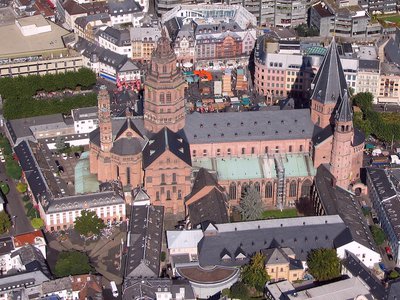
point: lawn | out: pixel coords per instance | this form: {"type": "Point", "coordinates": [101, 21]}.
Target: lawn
{"type": "Point", "coordinates": [389, 18]}
{"type": "Point", "coordinates": [279, 214]}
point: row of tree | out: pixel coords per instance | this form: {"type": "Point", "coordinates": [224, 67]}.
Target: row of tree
{"type": "Point", "coordinates": [29, 107]}
{"type": "Point", "coordinates": [384, 126]}
{"type": "Point", "coordinates": [26, 86]}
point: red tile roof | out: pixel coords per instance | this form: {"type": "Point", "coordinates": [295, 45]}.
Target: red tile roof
{"type": "Point", "coordinates": [27, 238]}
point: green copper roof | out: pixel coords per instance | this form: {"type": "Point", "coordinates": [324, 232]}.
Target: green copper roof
{"type": "Point", "coordinates": [316, 50]}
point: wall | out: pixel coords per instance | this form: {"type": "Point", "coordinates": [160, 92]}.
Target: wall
{"type": "Point", "coordinates": [366, 255]}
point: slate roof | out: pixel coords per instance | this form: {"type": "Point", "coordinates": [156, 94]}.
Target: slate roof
{"type": "Point", "coordinates": [147, 288]}
{"type": "Point", "coordinates": [85, 113]}
{"type": "Point", "coordinates": [6, 245]}
{"type": "Point", "coordinates": [83, 21]}
{"type": "Point", "coordinates": [212, 207]}
{"type": "Point", "coordinates": [117, 37]}
{"type": "Point", "coordinates": [364, 64]}
{"type": "Point", "coordinates": [18, 280]}
{"type": "Point", "coordinates": [145, 239]}
{"type": "Point", "coordinates": [330, 82]}
{"type": "Point", "coordinates": [127, 146]}
{"type": "Point", "coordinates": [344, 112]}
{"type": "Point", "coordinates": [278, 256]}
{"type": "Point", "coordinates": [301, 234]}
{"type": "Point", "coordinates": [139, 34]}
{"type": "Point", "coordinates": [166, 140]}
{"type": "Point", "coordinates": [32, 259]}
{"type": "Point", "coordinates": [20, 128]}
{"type": "Point", "coordinates": [358, 269]}
{"type": "Point", "coordinates": [117, 8]}
{"type": "Point", "coordinates": [392, 48]}
{"type": "Point", "coordinates": [248, 126]}
{"type": "Point", "coordinates": [337, 201]}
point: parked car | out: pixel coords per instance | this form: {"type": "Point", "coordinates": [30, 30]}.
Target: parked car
{"type": "Point", "coordinates": [57, 162]}
{"type": "Point", "coordinates": [61, 169]}
{"type": "Point", "coordinates": [77, 155]}
{"type": "Point", "coordinates": [2, 159]}
{"type": "Point", "coordinates": [64, 156]}
{"type": "Point", "coordinates": [389, 253]}
{"type": "Point", "coordinates": [383, 267]}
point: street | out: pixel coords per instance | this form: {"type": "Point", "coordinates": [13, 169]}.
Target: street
{"type": "Point", "coordinates": [15, 207]}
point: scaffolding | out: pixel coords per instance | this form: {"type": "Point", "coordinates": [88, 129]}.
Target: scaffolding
{"type": "Point", "coordinates": [280, 189]}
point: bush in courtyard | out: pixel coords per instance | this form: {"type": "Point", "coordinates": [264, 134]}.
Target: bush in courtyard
{"type": "Point", "coordinates": [37, 223]}
{"type": "Point", "coordinates": [21, 187]}
{"type": "Point", "coordinates": [4, 188]}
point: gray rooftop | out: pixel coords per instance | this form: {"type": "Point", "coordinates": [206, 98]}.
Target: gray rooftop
{"type": "Point", "coordinates": [301, 234]}
{"type": "Point", "coordinates": [84, 113]}
{"type": "Point", "coordinates": [248, 126]}
{"type": "Point", "coordinates": [145, 239]}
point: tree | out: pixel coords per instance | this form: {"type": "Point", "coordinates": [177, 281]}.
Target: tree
{"type": "Point", "coordinates": [60, 144]}
{"type": "Point", "coordinates": [72, 263]}
{"type": "Point", "coordinates": [323, 264]}
{"type": "Point", "coordinates": [88, 223]}
{"type": "Point", "coordinates": [393, 274]}
{"type": "Point", "coordinates": [254, 274]}
{"type": "Point", "coordinates": [378, 234]}
{"type": "Point", "coordinates": [37, 223]}
{"type": "Point", "coordinates": [239, 291]}
{"type": "Point", "coordinates": [4, 188]}
{"type": "Point", "coordinates": [364, 101]}
{"type": "Point", "coordinates": [13, 169]}
{"type": "Point", "coordinates": [250, 206]}
{"type": "Point", "coordinates": [21, 187]}
{"type": "Point", "coordinates": [5, 222]}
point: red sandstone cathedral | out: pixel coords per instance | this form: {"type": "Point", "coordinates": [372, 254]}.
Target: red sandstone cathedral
{"type": "Point", "coordinates": [277, 152]}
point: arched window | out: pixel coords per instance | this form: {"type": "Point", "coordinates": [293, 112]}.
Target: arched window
{"type": "Point", "coordinates": [306, 188]}
{"type": "Point", "coordinates": [168, 97]}
{"type": "Point", "coordinates": [293, 189]}
{"type": "Point", "coordinates": [268, 190]}
{"type": "Point", "coordinates": [244, 188]}
{"type": "Point", "coordinates": [232, 191]}
{"type": "Point", "coordinates": [162, 98]}
{"type": "Point", "coordinates": [257, 186]}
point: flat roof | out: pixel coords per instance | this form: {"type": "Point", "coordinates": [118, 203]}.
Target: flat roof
{"type": "Point", "coordinates": [14, 43]}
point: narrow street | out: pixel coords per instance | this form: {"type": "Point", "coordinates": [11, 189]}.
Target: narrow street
{"type": "Point", "coordinates": [14, 206]}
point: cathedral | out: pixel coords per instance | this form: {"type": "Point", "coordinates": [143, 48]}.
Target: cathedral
{"type": "Point", "coordinates": [277, 152]}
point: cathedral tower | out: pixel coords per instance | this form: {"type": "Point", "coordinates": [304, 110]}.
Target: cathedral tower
{"type": "Point", "coordinates": [342, 145]}
{"type": "Point", "coordinates": [104, 119]}
{"type": "Point", "coordinates": [164, 104]}
{"type": "Point", "coordinates": [328, 86]}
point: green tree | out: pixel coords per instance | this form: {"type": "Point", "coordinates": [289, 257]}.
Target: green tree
{"type": "Point", "coordinates": [4, 188]}
{"type": "Point", "coordinates": [254, 274]}
{"type": "Point", "coordinates": [239, 291]}
{"type": "Point", "coordinates": [88, 223]}
{"type": "Point", "coordinates": [13, 169]}
{"type": "Point", "coordinates": [323, 264]}
{"type": "Point", "coordinates": [364, 101]}
{"type": "Point", "coordinates": [60, 144]}
{"type": "Point", "coordinates": [37, 223]}
{"type": "Point", "coordinates": [21, 187]}
{"type": "Point", "coordinates": [393, 274]}
{"type": "Point", "coordinates": [378, 234]}
{"type": "Point", "coordinates": [250, 206]}
{"type": "Point", "coordinates": [72, 263]}
{"type": "Point", "coordinates": [5, 222]}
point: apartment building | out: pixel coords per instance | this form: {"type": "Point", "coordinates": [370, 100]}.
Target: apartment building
{"type": "Point", "coordinates": [116, 40]}
{"type": "Point", "coordinates": [143, 42]}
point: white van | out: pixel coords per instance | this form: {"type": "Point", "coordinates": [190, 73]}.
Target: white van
{"type": "Point", "coordinates": [114, 289]}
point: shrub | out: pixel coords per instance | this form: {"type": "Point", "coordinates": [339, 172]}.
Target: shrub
{"type": "Point", "coordinates": [4, 188]}
{"type": "Point", "coordinates": [28, 206]}
{"type": "Point", "coordinates": [21, 187]}
{"type": "Point", "coordinates": [37, 223]}
{"type": "Point", "coordinates": [32, 213]}
{"type": "Point", "coordinates": [26, 198]}
{"type": "Point", "coordinates": [163, 256]}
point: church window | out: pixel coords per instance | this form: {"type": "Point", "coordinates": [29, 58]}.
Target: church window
{"type": "Point", "coordinates": [301, 148]}
{"type": "Point", "coordinates": [253, 150]}
{"type": "Point", "coordinates": [277, 149]}
{"type": "Point", "coordinates": [218, 152]}
{"type": "Point", "coordinates": [162, 178]}
{"type": "Point", "coordinates": [268, 190]}
{"type": "Point", "coordinates": [128, 175]}
{"type": "Point", "coordinates": [168, 97]}
{"type": "Point", "coordinates": [244, 188]}
{"type": "Point", "coordinates": [179, 194]}
{"type": "Point", "coordinates": [266, 149]}
{"type": "Point", "coordinates": [168, 195]}
{"type": "Point", "coordinates": [243, 150]}
{"type": "Point", "coordinates": [290, 148]}
{"type": "Point", "coordinates": [173, 177]}
{"type": "Point", "coordinates": [205, 152]}
{"type": "Point", "coordinates": [293, 189]}
{"type": "Point", "coordinates": [194, 153]}
{"type": "Point", "coordinates": [257, 186]}
{"type": "Point", "coordinates": [117, 171]}
{"type": "Point", "coordinates": [232, 191]}
{"type": "Point", "coordinates": [162, 98]}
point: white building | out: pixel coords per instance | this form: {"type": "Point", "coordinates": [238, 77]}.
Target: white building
{"type": "Point", "coordinates": [85, 119]}
{"type": "Point", "coordinates": [118, 41]}
{"type": "Point", "coordinates": [125, 11]}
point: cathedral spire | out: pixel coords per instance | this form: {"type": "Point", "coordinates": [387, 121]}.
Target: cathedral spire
{"type": "Point", "coordinates": [330, 82]}
{"type": "Point", "coordinates": [344, 113]}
